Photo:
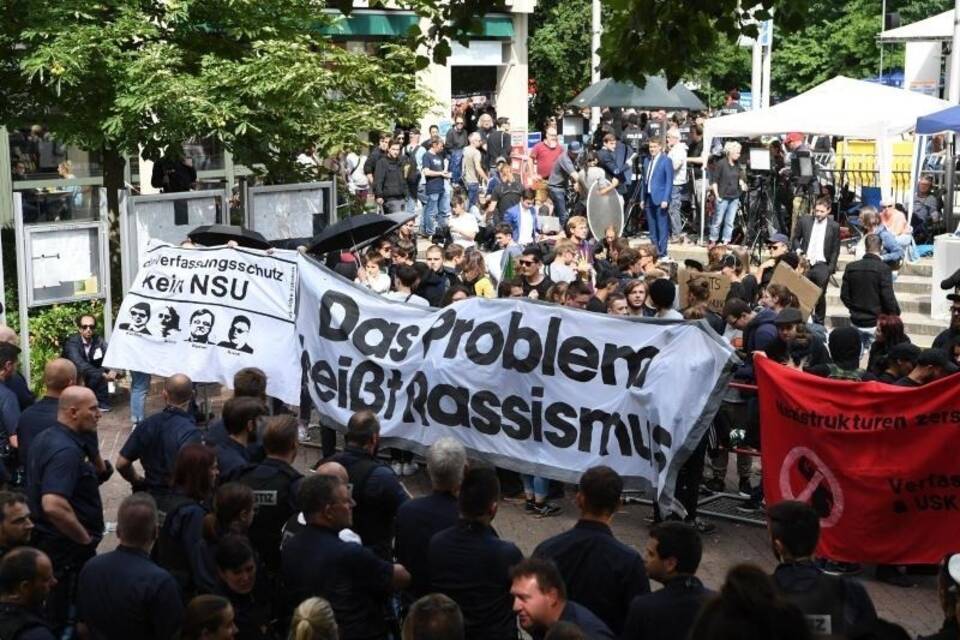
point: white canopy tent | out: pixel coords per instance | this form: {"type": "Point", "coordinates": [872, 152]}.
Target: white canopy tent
{"type": "Point", "coordinates": [838, 107]}
{"type": "Point", "coordinates": [938, 27]}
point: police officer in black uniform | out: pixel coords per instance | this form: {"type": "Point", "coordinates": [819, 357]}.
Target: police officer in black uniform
{"type": "Point", "coordinates": [240, 419]}
{"type": "Point", "coordinates": [376, 490]}
{"type": "Point", "coordinates": [122, 593]}
{"type": "Point", "coordinates": [15, 523]}
{"type": "Point", "coordinates": [834, 605]}
{"type": "Point", "coordinates": [275, 485]}
{"type": "Point", "coordinates": [26, 576]}
{"type": "Point", "coordinates": [64, 493]}
{"type": "Point", "coordinates": [158, 440]}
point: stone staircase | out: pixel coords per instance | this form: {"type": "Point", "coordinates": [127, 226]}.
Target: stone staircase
{"type": "Point", "coordinates": [912, 288]}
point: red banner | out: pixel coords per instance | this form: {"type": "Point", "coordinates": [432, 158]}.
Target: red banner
{"type": "Point", "coordinates": [881, 464]}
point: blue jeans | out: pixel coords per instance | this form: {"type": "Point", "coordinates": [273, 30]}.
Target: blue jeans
{"type": "Point", "coordinates": [658, 221]}
{"type": "Point", "coordinates": [725, 214]}
{"type": "Point", "coordinates": [139, 388]}
{"type": "Point", "coordinates": [676, 200]}
{"type": "Point", "coordinates": [559, 197]}
{"type": "Point", "coordinates": [436, 211]}
{"type": "Point", "coordinates": [867, 336]}
{"type": "Point", "coordinates": [473, 194]}
{"type": "Point", "coordinates": [456, 165]}
{"type": "Point", "coordinates": [536, 487]}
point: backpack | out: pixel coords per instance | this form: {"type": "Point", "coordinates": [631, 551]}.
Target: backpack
{"type": "Point", "coordinates": [836, 373]}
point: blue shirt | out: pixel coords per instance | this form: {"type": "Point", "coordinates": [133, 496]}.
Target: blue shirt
{"type": "Point", "coordinates": [433, 184]}
{"type": "Point", "coordinates": [892, 251]}
{"type": "Point", "coordinates": [471, 564]}
{"type": "Point", "coordinates": [668, 613]}
{"type": "Point", "coordinates": [123, 594]}
{"type": "Point", "coordinates": [9, 411]}
{"type": "Point", "coordinates": [600, 572]}
{"type": "Point", "coordinates": [591, 625]}
{"type": "Point", "coordinates": [417, 522]}
{"type": "Point", "coordinates": [156, 443]}
{"type": "Point", "coordinates": [351, 577]}
{"type": "Point", "coordinates": [231, 458]}
{"type": "Point", "coordinates": [41, 416]}
{"type": "Point", "coordinates": [58, 465]}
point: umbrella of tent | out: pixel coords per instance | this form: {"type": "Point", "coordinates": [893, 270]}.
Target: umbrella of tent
{"type": "Point", "coordinates": [945, 120]}
{"type": "Point", "coordinates": [212, 235]}
{"type": "Point", "coordinates": [610, 93]}
{"type": "Point", "coordinates": [688, 99]}
{"type": "Point", "coordinates": [352, 233]}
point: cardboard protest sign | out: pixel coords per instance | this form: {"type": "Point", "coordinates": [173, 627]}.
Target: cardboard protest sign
{"type": "Point", "coordinates": [719, 288]}
{"type": "Point", "coordinates": [807, 292]}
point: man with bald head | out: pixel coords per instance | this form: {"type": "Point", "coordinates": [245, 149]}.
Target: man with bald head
{"type": "Point", "coordinates": [297, 522]}
{"type": "Point", "coordinates": [58, 374]}
{"type": "Point", "coordinates": [64, 493]}
{"type": "Point", "coordinates": [158, 440]}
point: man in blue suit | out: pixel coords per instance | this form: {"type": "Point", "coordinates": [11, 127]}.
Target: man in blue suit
{"type": "Point", "coordinates": [522, 218]}
{"type": "Point", "coordinates": [657, 189]}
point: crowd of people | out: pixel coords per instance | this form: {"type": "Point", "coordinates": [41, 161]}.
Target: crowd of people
{"type": "Point", "coordinates": [223, 536]}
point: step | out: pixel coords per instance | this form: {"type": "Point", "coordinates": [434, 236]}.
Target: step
{"type": "Point", "coordinates": [914, 324]}
{"type": "Point", "coordinates": [909, 302]}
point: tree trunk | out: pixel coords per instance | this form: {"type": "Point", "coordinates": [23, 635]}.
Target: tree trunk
{"type": "Point", "coordinates": [114, 165]}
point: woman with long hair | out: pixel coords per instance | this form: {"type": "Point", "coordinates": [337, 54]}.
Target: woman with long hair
{"type": "Point", "coordinates": [313, 620]}
{"type": "Point", "coordinates": [208, 618]}
{"type": "Point", "coordinates": [232, 514]}
{"type": "Point", "coordinates": [194, 476]}
{"type": "Point", "coordinates": [889, 334]}
{"type": "Point", "coordinates": [475, 277]}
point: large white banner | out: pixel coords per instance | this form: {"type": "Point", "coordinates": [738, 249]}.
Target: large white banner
{"type": "Point", "coordinates": [537, 388]}
{"type": "Point", "coordinates": [208, 312]}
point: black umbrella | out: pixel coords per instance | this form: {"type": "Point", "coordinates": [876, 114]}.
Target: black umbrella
{"type": "Point", "coordinates": [212, 235]}
{"type": "Point", "coordinates": [688, 99]}
{"type": "Point", "coordinates": [352, 233]}
{"type": "Point", "coordinates": [608, 93]}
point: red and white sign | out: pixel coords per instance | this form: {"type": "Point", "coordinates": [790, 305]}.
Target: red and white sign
{"type": "Point", "coordinates": [877, 462]}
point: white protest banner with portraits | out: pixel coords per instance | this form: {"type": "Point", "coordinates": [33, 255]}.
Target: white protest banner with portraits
{"type": "Point", "coordinates": [536, 388]}
{"type": "Point", "coordinates": [208, 312]}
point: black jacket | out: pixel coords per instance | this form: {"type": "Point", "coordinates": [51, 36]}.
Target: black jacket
{"type": "Point", "coordinates": [388, 178]}
{"type": "Point", "coordinates": [74, 351]}
{"type": "Point", "coordinates": [667, 614]}
{"type": "Point", "coordinates": [867, 291]}
{"type": "Point", "coordinates": [831, 239]}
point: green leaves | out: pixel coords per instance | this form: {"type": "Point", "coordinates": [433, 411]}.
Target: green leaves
{"type": "Point", "coordinates": [253, 74]}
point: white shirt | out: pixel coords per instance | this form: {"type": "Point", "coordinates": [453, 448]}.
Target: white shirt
{"type": "Point", "coordinates": [650, 169]}
{"type": "Point", "coordinates": [817, 236]}
{"type": "Point", "coordinates": [409, 298]}
{"type": "Point", "coordinates": [678, 154]}
{"type": "Point", "coordinates": [525, 233]}
{"type": "Point", "coordinates": [463, 224]}
{"type": "Point", "coordinates": [560, 272]}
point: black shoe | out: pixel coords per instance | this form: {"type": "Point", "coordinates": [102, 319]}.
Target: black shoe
{"type": "Point", "coordinates": [891, 574]}
{"type": "Point", "coordinates": [745, 489]}
{"type": "Point", "coordinates": [835, 568]}
{"type": "Point", "coordinates": [750, 506]}
{"type": "Point", "coordinates": [716, 485]}
{"type": "Point", "coordinates": [530, 506]}
{"type": "Point", "coordinates": [702, 525]}
{"type": "Point", "coordinates": [546, 510]}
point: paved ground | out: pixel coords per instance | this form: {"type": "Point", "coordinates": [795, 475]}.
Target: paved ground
{"type": "Point", "coordinates": [917, 609]}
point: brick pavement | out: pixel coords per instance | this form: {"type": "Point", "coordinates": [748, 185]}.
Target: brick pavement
{"type": "Point", "coordinates": [917, 609]}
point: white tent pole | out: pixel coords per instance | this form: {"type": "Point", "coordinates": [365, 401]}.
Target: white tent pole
{"type": "Point", "coordinates": [596, 31]}
{"type": "Point", "coordinates": [919, 143]}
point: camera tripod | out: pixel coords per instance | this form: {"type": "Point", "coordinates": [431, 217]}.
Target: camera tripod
{"type": "Point", "coordinates": [756, 217]}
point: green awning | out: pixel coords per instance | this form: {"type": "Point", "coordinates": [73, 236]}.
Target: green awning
{"type": "Point", "coordinates": [396, 24]}
{"type": "Point", "coordinates": [372, 25]}
{"type": "Point", "coordinates": [498, 27]}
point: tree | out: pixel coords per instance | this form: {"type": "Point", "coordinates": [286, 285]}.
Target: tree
{"type": "Point", "coordinates": [559, 53]}
{"type": "Point", "coordinates": [257, 75]}
{"type": "Point", "coordinates": [842, 41]}
{"type": "Point", "coordinates": [652, 37]}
